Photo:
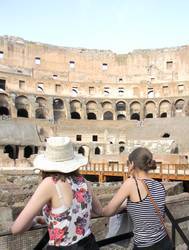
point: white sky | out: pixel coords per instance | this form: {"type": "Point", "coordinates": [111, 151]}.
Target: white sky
{"type": "Point", "coordinates": [118, 25]}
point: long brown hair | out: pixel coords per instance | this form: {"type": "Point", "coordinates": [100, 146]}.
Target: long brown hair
{"type": "Point", "coordinates": [142, 158]}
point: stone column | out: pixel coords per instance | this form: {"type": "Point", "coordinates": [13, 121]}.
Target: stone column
{"type": "Point", "coordinates": [67, 108]}
{"type": "Point", "coordinates": [142, 113]}
{"type": "Point", "coordinates": [127, 111]}
{"type": "Point", "coordinates": [99, 111]}
{"type": "Point", "coordinates": [83, 111]}
{"type": "Point", "coordinates": [50, 116]}
{"type": "Point", "coordinates": [33, 106]}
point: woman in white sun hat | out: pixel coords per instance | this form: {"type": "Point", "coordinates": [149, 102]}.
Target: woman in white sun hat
{"type": "Point", "coordinates": [64, 196]}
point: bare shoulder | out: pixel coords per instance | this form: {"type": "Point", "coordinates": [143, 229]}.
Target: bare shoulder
{"type": "Point", "coordinates": [128, 185]}
{"type": "Point", "coordinates": [46, 183]}
{"type": "Point", "coordinates": [128, 182]}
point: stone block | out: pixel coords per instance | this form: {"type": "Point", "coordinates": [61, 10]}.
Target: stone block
{"type": "Point", "coordinates": [5, 218]}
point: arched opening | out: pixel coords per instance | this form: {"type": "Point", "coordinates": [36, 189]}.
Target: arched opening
{"type": "Point", "coordinates": [75, 115]}
{"type": "Point", "coordinates": [22, 105]}
{"type": "Point", "coordinates": [4, 111]}
{"type": "Point", "coordinates": [22, 113]}
{"type": "Point", "coordinates": [179, 104]}
{"type": "Point", "coordinates": [97, 151]}
{"type": "Point", "coordinates": [107, 105]}
{"type": "Point", "coordinates": [135, 109]}
{"type": "Point", "coordinates": [58, 104]}
{"type": "Point", "coordinates": [40, 114]}
{"type": "Point", "coordinates": [150, 94]}
{"type": "Point", "coordinates": [74, 92]}
{"type": "Point", "coordinates": [121, 117]}
{"type": "Point", "coordinates": [163, 115]}
{"type": "Point", "coordinates": [150, 115]}
{"type": "Point", "coordinates": [121, 142]}
{"type": "Point", "coordinates": [166, 135]}
{"type": "Point", "coordinates": [91, 116]}
{"type": "Point", "coordinates": [12, 151]}
{"type": "Point", "coordinates": [150, 109]}
{"type": "Point", "coordinates": [135, 116]}
{"type": "Point", "coordinates": [108, 116]}
{"type": "Point", "coordinates": [165, 108]}
{"type": "Point", "coordinates": [81, 150]}
{"type": "Point", "coordinates": [121, 149]}
{"type": "Point", "coordinates": [28, 151]}
{"type": "Point", "coordinates": [42, 102]}
{"type": "Point", "coordinates": [120, 106]}
{"type": "Point", "coordinates": [75, 109]}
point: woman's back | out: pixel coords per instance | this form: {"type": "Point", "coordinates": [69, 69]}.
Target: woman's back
{"type": "Point", "coordinates": [69, 222]}
{"type": "Point", "coordinates": [148, 228]}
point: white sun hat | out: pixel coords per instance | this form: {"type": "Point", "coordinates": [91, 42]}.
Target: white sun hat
{"type": "Point", "coordinates": [59, 156]}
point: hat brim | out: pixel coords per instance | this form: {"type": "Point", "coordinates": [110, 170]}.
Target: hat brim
{"type": "Point", "coordinates": [42, 163]}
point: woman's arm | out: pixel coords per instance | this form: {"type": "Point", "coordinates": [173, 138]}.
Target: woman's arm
{"type": "Point", "coordinates": [96, 205]}
{"type": "Point", "coordinates": [41, 196]}
{"type": "Point", "coordinates": [118, 199]}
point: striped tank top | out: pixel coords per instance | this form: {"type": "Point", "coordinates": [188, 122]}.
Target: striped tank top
{"type": "Point", "coordinates": [148, 228]}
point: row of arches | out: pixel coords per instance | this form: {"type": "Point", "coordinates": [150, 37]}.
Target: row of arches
{"type": "Point", "coordinates": [135, 110]}
{"type": "Point", "coordinates": [13, 151]}
{"type": "Point", "coordinates": [93, 110]}
{"type": "Point", "coordinates": [81, 150]}
{"type": "Point", "coordinates": [22, 105]}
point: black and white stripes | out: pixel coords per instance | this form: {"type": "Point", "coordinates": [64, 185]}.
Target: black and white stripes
{"type": "Point", "coordinates": [148, 228]}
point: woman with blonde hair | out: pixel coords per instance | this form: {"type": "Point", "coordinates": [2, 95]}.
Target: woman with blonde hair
{"type": "Point", "coordinates": [145, 203]}
{"type": "Point", "coordinates": [64, 196]}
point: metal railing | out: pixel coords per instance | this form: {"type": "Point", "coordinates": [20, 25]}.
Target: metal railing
{"type": "Point", "coordinates": [176, 227]}
{"type": "Point", "coordinates": [163, 171]}
{"type": "Point", "coordinates": [42, 242]}
{"type": "Point", "coordinates": [108, 241]}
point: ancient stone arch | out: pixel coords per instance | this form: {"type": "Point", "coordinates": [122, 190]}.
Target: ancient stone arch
{"type": "Point", "coordinates": [75, 115]}
{"type": "Point", "coordinates": [107, 105]}
{"type": "Point", "coordinates": [179, 105]}
{"type": "Point", "coordinates": [91, 116]}
{"type": "Point", "coordinates": [97, 151]}
{"type": "Point", "coordinates": [91, 105]}
{"type": "Point", "coordinates": [165, 109]}
{"type": "Point", "coordinates": [28, 151]}
{"type": "Point", "coordinates": [120, 106]}
{"type": "Point", "coordinates": [121, 117]}
{"type": "Point", "coordinates": [41, 101]}
{"type": "Point", "coordinates": [75, 109]}
{"type": "Point", "coordinates": [121, 142]}
{"type": "Point", "coordinates": [58, 106]}
{"type": "Point", "coordinates": [108, 115]}
{"type": "Point", "coordinates": [135, 109]}
{"type": "Point", "coordinates": [150, 109]}
{"type": "Point", "coordinates": [22, 106]}
{"type": "Point", "coordinates": [41, 111]}
{"type": "Point", "coordinates": [12, 151]}
{"type": "Point", "coordinates": [4, 104]}
{"type": "Point", "coordinates": [91, 108]}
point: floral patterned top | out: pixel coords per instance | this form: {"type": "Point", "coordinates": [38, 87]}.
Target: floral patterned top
{"type": "Point", "coordinates": [68, 226]}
